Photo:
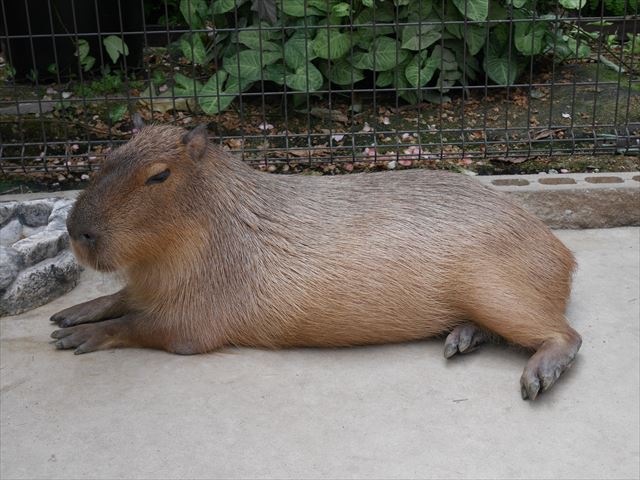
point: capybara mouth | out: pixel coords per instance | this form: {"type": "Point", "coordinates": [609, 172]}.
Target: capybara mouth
{"type": "Point", "coordinates": [88, 256]}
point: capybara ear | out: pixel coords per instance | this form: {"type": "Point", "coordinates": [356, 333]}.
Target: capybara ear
{"type": "Point", "coordinates": [138, 122]}
{"type": "Point", "coordinates": [196, 141]}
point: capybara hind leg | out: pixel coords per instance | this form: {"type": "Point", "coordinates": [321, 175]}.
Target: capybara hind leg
{"type": "Point", "coordinates": [554, 341]}
{"type": "Point", "coordinates": [101, 308]}
{"type": "Point", "coordinates": [465, 338]}
{"type": "Point", "coordinates": [547, 364]}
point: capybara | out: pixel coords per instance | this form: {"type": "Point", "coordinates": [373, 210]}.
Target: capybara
{"type": "Point", "coordinates": [215, 254]}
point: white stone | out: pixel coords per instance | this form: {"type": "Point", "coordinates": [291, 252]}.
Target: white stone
{"type": "Point", "coordinates": [11, 233]}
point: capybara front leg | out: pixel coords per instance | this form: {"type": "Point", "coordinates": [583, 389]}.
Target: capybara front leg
{"type": "Point", "coordinates": [130, 330]}
{"type": "Point", "coordinates": [545, 366]}
{"type": "Point", "coordinates": [101, 308]}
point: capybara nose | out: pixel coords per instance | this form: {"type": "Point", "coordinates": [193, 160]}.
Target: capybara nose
{"type": "Point", "coordinates": [83, 236]}
{"type": "Point", "coordinates": [87, 238]}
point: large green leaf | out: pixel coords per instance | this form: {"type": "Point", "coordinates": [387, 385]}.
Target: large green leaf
{"type": "Point", "coordinates": [500, 68]}
{"type": "Point", "coordinates": [297, 8]}
{"type": "Point", "coordinates": [573, 4]}
{"type": "Point", "coordinates": [224, 6]}
{"type": "Point", "coordinates": [331, 44]}
{"type": "Point", "coordinates": [475, 38]}
{"type": "Point", "coordinates": [257, 40]}
{"type": "Point", "coordinates": [418, 37]}
{"type": "Point", "coordinates": [212, 98]}
{"type": "Point", "coordinates": [342, 72]}
{"type": "Point", "coordinates": [276, 72]}
{"type": "Point", "coordinates": [476, 10]}
{"type": "Point", "coordinates": [384, 79]}
{"type": "Point", "coordinates": [528, 37]}
{"type": "Point", "coordinates": [185, 86]}
{"type": "Point", "coordinates": [421, 68]}
{"type": "Point", "coordinates": [115, 47]}
{"type": "Point", "coordinates": [194, 12]}
{"type": "Point", "coordinates": [294, 51]}
{"type": "Point", "coordinates": [418, 10]}
{"type": "Point", "coordinates": [384, 54]}
{"type": "Point", "coordinates": [193, 49]}
{"type": "Point", "coordinates": [248, 64]}
{"type": "Point", "coordinates": [305, 78]}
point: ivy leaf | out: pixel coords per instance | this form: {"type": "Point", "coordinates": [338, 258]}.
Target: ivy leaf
{"type": "Point", "coordinates": [476, 10]}
{"type": "Point", "coordinates": [115, 47]}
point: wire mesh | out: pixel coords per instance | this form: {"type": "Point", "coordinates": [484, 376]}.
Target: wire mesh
{"type": "Point", "coordinates": [337, 84]}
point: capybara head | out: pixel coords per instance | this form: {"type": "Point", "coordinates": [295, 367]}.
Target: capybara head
{"type": "Point", "coordinates": [131, 212]}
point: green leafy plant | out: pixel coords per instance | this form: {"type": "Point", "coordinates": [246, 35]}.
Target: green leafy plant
{"type": "Point", "coordinates": [115, 47]}
{"type": "Point", "coordinates": [82, 52]}
{"type": "Point", "coordinates": [420, 48]}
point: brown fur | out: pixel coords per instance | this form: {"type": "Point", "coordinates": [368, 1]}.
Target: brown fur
{"type": "Point", "coordinates": [220, 254]}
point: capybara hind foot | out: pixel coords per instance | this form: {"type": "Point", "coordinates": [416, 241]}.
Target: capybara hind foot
{"type": "Point", "coordinates": [547, 364]}
{"type": "Point", "coordinates": [464, 338]}
{"type": "Point", "coordinates": [102, 308]}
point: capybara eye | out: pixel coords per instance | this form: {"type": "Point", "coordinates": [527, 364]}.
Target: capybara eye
{"type": "Point", "coordinates": [158, 178]}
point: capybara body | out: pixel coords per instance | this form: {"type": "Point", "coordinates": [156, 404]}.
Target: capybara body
{"type": "Point", "coordinates": [215, 253]}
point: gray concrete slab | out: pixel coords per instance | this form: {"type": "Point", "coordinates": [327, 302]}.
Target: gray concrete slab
{"type": "Point", "coordinates": [397, 411]}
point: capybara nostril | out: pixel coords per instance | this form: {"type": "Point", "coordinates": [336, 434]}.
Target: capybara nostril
{"type": "Point", "coordinates": [87, 238]}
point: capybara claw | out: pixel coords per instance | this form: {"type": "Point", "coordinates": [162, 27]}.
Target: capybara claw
{"type": "Point", "coordinates": [464, 339]}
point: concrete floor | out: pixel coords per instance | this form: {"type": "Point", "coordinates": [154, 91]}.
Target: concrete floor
{"type": "Point", "coordinates": [398, 411]}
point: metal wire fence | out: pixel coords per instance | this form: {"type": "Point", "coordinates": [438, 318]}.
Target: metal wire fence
{"type": "Point", "coordinates": [335, 84]}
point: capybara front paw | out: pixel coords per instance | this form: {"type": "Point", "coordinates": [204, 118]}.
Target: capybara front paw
{"type": "Point", "coordinates": [87, 337]}
{"type": "Point", "coordinates": [70, 316]}
{"type": "Point", "coordinates": [464, 339]}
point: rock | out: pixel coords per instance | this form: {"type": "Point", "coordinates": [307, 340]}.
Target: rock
{"type": "Point", "coordinates": [10, 263]}
{"type": "Point", "coordinates": [392, 165]}
{"type": "Point", "coordinates": [28, 231]}
{"type": "Point", "coordinates": [11, 233]}
{"type": "Point", "coordinates": [59, 213]}
{"type": "Point", "coordinates": [7, 209]}
{"type": "Point", "coordinates": [35, 213]}
{"type": "Point", "coordinates": [45, 244]}
{"type": "Point", "coordinates": [40, 283]}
